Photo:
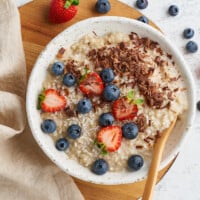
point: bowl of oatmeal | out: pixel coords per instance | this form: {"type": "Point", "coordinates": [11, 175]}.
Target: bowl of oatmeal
{"type": "Point", "coordinates": [100, 94]}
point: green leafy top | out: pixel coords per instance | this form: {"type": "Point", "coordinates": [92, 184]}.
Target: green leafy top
{"type": "Point", "coordinates": [68, 3]}
{"type": "Point", "coordinates": [84, 75]}
{"type": "Point", "coordinates": [41, 98]}
{"type": "Point", "coordinates": [102, 147]}
{"type": "Point", "coordinates": [130, 97]}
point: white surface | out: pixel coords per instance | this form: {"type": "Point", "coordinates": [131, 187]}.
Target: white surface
{"type": "Point", "coordinates": [22, 2]}
{"type": "Point", "coordinates": [182, 182]}
{"type": "Point", "coordinates": [100, 26]}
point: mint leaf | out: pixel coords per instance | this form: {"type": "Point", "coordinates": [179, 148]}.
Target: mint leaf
{"type": "Point", "coordinates": [104, 152]}
{"type": "Point", "coordinates": [41, 98]}
{"type": "Point", "coordinates": [130, 95]}
{"type": "Point", "coordinates": [138, 101]}
{"type": "Point", "coordinates": [101, 146]}
{"type": "Point", "coordinates": [86, 72]}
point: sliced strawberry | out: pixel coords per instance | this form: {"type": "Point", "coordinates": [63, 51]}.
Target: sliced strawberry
{"type": "Point", "coordinates": [51, 101]}
{"type": "Point", "coordinates": [123, 109]}
{"type": "Point", "coordinates": [111, 137]}
{"type": "Point", "coordinates": [92, 84]}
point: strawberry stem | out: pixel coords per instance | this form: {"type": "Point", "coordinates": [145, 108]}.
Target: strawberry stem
{"type": "Point", "coordinates": [75, 2]}
{"type": "Point", "coordinates": [68, 3]}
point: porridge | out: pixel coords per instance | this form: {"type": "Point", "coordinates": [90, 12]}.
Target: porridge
{"type": "Point", "coordinates": [107, 98]}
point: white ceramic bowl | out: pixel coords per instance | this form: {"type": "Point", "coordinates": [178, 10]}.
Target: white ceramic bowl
{"type": "Point", "coordinates": [102, 25]}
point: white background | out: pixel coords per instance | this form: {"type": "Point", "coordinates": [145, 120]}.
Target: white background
{"type": "Point", "coordinates": [182, 181]}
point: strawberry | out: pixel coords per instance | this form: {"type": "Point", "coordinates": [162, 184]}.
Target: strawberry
{"type": "Point", "coordinates": [62, 10]}
{"type": "Point", "coordinates": [51, 101]}
{"type": "Point", "coordinates": [110, 137]}
{"type": "Point", "coordinates": [92, 84]}
{"type": "Point", "coordinates": [123, 109]}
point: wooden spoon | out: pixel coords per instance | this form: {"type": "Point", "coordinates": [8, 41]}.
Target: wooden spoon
{"type": "Point", "coordinates": [155, 163]}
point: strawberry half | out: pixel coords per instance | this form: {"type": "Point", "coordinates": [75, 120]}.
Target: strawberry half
{"type": "Point", "coordinates": [62, 10]}
{"type": "Point", "coordinates": [111, 137]}
{"type": "Point", "coordinates": [51, 101]}
{"type": "Point", "coordinates": [92, 84]}
{"type": "Point", "coordinates": [123, 109]}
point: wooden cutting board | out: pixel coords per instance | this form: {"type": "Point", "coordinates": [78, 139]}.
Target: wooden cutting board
{"type": "Point", "coordinates": [36, 33]}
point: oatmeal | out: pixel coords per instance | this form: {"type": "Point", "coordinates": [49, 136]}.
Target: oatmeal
{"type": "Point", "coordinates": [111, 97]}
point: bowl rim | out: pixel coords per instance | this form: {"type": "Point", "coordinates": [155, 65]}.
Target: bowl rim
{"type": "Point", "coordinates": [175, 51]}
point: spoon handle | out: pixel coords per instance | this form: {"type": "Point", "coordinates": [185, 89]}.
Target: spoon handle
{"type": "Point", "coordinates": [155, 163]}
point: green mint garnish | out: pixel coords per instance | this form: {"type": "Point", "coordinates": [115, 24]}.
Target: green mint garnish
{"type": "Point", "coordinates": [86, 72]}
{"type": "Point", "coordinates": [41, 98]}
{"type": "Point", "coordinates": [104, 152]}
{"type": "Point", "coordinates": [130, 95]}
{"type": "Point", "coordinates": [139, 101]}
{"type": "Point", "coordinates": [102, 147]}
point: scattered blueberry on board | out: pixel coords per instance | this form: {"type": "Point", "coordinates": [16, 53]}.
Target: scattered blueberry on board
{"type": "Point", "coordinates": [69, 80]}
{"type": "Point", "coordinates": [173, 10]}
{"type": "Point", "coordinates": [74, 131]}
{"type": "Point", "coordinates": [130, 130]}
{"type": "Point", "coordinates": [191, 47]}
{"type": "Point", "coordinates": [143, 19]}
{"type": "Point", "coordinates": [100, 167]}
{"type": "Point", "coordinates": [62, 144]}
{"type": "Point", "coordinates": [48, 126]}
{"type": "Point", "coordinates": [188, 33]}
{"type": "Point", "coordinates": [107, 75]}
{"type": "Point", "coordinates": [84, 106]}
{"type": "Point", "coordinates": [141, 4]}
{"type": "Point", "coordinates": [198, 105]}
{"type": "Point", "coordinates": [57, 68]}
{"type": "Point", "coordinates": [102, 6]}
{"type": "Point", "coordinates": [111, 92]}
{"type": "Point", "coordinates": [106, 119]}
{"type": "Point", "coordinates": [135, 162]}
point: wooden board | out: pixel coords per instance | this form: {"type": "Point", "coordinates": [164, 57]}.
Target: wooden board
{"type": "Point", "coordinates": [36, 33]}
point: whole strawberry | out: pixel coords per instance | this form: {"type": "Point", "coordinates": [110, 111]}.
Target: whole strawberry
{"type": "Point", "coordinates": [62, 10]}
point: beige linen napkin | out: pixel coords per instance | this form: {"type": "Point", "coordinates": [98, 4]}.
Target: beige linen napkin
{"type": "Point", "coordinates": [25, 172]}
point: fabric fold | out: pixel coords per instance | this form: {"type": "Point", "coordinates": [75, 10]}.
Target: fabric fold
{"type": "Point", "coordinates": [25, 171]}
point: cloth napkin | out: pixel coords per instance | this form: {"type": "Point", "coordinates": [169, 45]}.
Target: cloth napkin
{"type": "Point", "coordinates": [25, 172]}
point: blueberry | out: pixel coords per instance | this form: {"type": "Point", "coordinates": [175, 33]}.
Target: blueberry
{"type": "Point", "coordinates": [198, 105]}
{"type": "Point", "coordinates": [100, 167]}
{"type": "Point", "coordinates": [62, 144]}
{"type": "Point", "coordinates": [188, 33]}
{"type": "Point", "coordinates": [173, 10]}
{"type": "Point", "coordinates": [57, 68]}
{"type": "Point", "coordinates": [48, 126]}
{"type": "Point", "coordinates": [141, 4]}
{"type": "Point", "coordinates": [191, 47]}
{"type": "Point", "coordinates": [135, 162]}
{"type": "Point", "coordinates": [143, 19]}
{"type": "Point", "coordinates": [111, 92]}
{"type": "Point", "coordinates": [84, 106]}
{"type": "Point", "coordinates": [102, 6]}
{"type": "Point", "coordinates": [74, 131]}
{"type": "Point", "coordinates": [106, 119]}
{"type": "Point", "coordinates": [107, 75]}
{"type": "Point", "coordinates": [130, 130]}
{"type": "Point", "coordinates": [69, 80]}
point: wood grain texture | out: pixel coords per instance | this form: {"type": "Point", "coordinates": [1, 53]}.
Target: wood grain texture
{"type": "Point", "coordinates": [37, 33]}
